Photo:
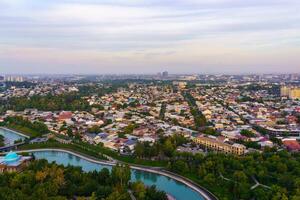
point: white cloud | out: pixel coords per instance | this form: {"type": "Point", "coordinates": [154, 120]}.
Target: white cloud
{"type": "Point", "coordinates": [193, 31]}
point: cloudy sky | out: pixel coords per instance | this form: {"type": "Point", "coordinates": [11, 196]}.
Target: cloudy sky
{"type": "Point", "coordinates": [149, 36]}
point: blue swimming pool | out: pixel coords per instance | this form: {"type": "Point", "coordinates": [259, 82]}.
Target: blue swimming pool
{"type": "Point", "coordinates": [176, 189]}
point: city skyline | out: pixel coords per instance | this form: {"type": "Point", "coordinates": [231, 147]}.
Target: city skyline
{"type": "Point", "coordinates": [136, 37]}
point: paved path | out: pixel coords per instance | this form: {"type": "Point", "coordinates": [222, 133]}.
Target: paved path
{"type": "Point", "coordinates": [227, 179]}
{"type": "Point", "coordinates": [253, 178]}
{"type": "Point", "coordinates": [11, 147]}
{"type": "Point", "coordinates": [131, 195]}
{"type": "Point", "coordinates": [200, 190]}
{"type": "Point", "coordinates": [258, 184]}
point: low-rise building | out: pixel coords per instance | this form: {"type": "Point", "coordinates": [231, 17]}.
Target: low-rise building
{"type": "Point", "coordinates": [291, 144]}
{"type": "Point", "coordinates": [13, 162]}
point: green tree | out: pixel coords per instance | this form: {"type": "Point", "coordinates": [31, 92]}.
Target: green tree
{"type": "Point", "coordinates": [210, 179]}
{"type": "Point", "coordinates": [153, 194]}
{"type": "Point", "coordinates": [121, 175]}
{"type": "Point", "coordinates": [69, 132]}
{"type": "Point", "coordinates": [139, 190]}
{"type": "Point", "coordinates": [180, 167]}
{"type": "Point", "coordinates": [116, 195]}
{"type": "Point", "coordinates": [168, 148]}
{"type": "Point", "coordinates": [1, 140]}
{"type": "Point", "coordinates": [211, 131]}
{"type": "Point", "coordinates": [247, 133]}
{"type": "Point", "coordinates": [139, 150]}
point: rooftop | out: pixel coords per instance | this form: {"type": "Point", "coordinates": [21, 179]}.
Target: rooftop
{"type": "Point", "coordinates": [13, 159]}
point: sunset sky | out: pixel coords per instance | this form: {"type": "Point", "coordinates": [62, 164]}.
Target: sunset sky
{"type": "Point", "coordinates": [149, 36]}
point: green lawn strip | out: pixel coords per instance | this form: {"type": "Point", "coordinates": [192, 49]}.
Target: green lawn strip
{"type": "Point", "coordinates": [123, 158]}
{"type": "Point", "coordinates": [24, 130]}
{"type": "Point", "coordinates": [96, 151]}
{"type": "Point", "coordinates": [53, 144]}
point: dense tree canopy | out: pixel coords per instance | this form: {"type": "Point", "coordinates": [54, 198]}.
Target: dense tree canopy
{"type": "Point", "coordinates": [70, 102]}
{"type": "Point", "coordinates": [42, 180]}
{"type": "Point", "coordinates": [33, 129]}
{"type": "Point", "coordinates": [231, 177]}
{"type": "Point", "coordinates": [165, 146]}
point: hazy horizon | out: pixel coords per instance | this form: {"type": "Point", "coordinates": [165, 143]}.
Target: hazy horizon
{"type": "Point", "coordinates": [142, 74]}
{"type": "Point", "coordinates": [146, 37]}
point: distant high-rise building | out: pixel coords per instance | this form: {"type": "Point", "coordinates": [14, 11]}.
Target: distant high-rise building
{"type": "Point", "coordinates": [284, 91]}
{"type": "Point", "coordinates": [294, 93]}
{"type": "Point", "coordinates": [14, 78]}
{"type": "Point", "coordinates": [1, 78]}
{"type": "Point", "coordinates": [294, 77]}
{"type": "Point", "coordinates": [19, 79]}
{"type": "Point", "coordinates": [165, 74]}
{"type": "Point", "coordinates": [291, 92]}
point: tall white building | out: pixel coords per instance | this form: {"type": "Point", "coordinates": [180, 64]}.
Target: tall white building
{"type": "Point", "coordinates": [14, 78]}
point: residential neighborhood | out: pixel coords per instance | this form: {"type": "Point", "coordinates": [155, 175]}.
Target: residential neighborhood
{"type": "Point", "coordinates": [250, 118]}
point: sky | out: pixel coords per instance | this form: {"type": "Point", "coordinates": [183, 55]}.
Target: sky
{"type": "Point", "coordinates": [149, 36]}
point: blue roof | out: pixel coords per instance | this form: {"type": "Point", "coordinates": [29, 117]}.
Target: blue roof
{"type": "Point", "coordinates": [102, 135]}
{"type": "Point", "coordinates": [11, 157]}
{"type": "Point", "coordinates": [130, 142]}
{"type": "Point", "coordinates": [92, 135]}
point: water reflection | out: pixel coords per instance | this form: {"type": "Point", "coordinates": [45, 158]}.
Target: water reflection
{"type": "Point", "coordinates": [139, 175]}
{"type": "Point", "coordinates": [70, 156]}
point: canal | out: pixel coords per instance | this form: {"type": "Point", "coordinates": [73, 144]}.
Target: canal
{"type": "Point", "coordinates": [10, 136]}
{"type": "Point", "coordinates": [177, 189]}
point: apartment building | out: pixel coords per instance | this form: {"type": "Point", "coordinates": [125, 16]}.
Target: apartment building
{"type": "Point", "coordinates": [291, 92]}
{"type": "Point", "coordinates": [218, 145]}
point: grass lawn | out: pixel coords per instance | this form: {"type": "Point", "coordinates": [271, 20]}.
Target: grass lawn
{"type": "Point", "coordinates": [25, 130]}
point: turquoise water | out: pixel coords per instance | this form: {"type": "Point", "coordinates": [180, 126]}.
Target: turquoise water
{"type": "Point", "coordinates": [10, 136]}
{"type": "Point", "coordinates": [170, 186]}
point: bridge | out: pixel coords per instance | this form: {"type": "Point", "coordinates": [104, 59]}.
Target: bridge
{"type": "Point", "coordinates": [11, 147]}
